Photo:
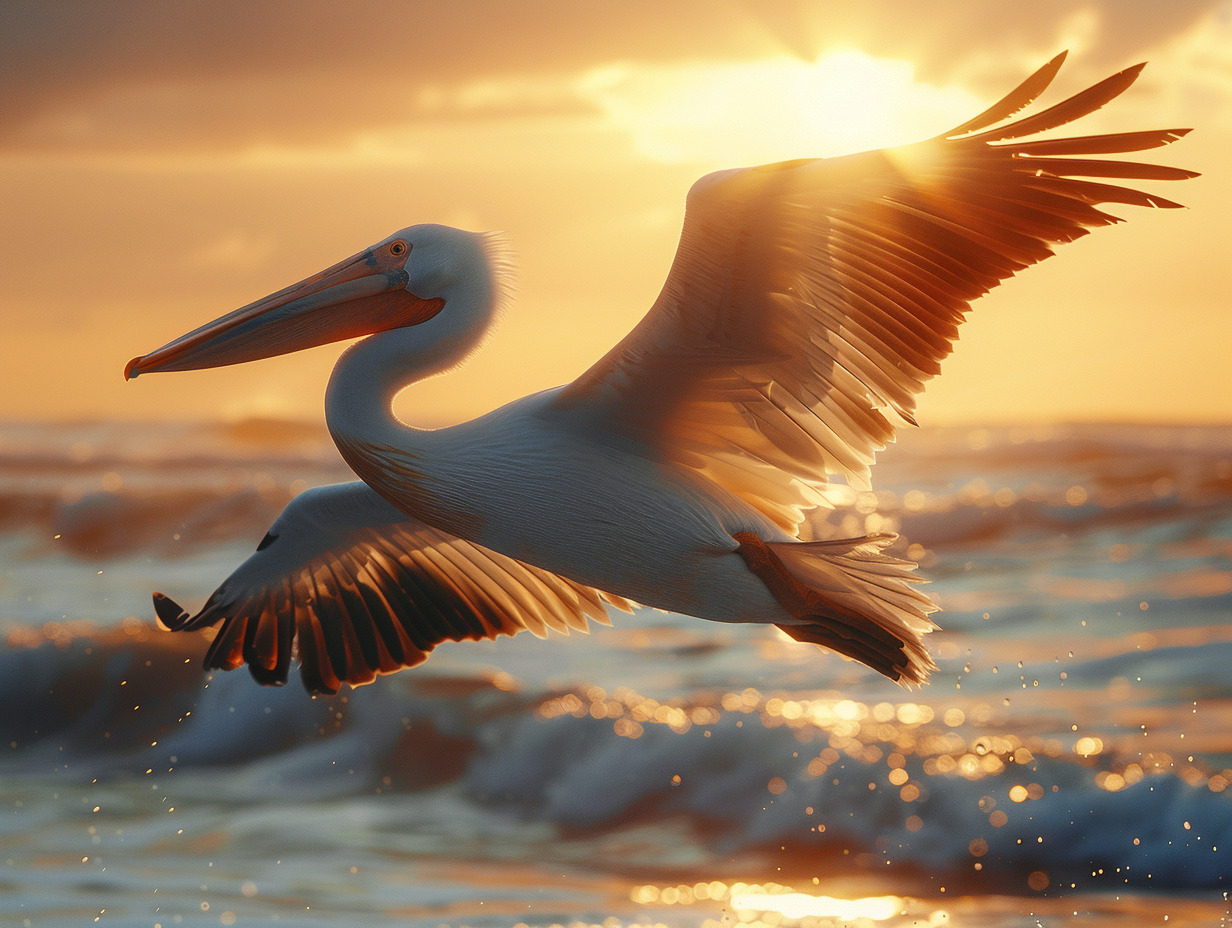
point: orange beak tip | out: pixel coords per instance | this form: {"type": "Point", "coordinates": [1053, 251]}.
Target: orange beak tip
{"type": "Point", "coordinates": [130, 369]}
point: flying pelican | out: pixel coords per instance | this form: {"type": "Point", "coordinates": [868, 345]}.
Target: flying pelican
{"type": "Point", "coordinates": [808, 304]}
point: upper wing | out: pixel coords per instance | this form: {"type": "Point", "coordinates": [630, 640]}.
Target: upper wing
{"type": "Point", "coordinates": [808, 297]}
{"type": "Point", "coordinates": [359, 589]}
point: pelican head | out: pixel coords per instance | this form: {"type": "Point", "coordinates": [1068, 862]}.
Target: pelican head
{"type": "Point", "coordinates": [403, 280]}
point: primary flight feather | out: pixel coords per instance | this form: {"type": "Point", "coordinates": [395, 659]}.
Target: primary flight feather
{"type": "Point", "coordinates": [808, 304]}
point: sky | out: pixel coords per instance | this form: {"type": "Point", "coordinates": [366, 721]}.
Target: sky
{"type": "Point", "coordinates": [161, 164]}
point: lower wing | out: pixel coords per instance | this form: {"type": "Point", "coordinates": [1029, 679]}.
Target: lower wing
{"type": "Point", "coordinates": [354, 588]}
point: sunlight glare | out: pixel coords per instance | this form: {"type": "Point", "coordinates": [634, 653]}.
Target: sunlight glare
{"type": "Point", "coordinates": [805, 905]}
{"type": "Point", "coordinates": [774, 109]}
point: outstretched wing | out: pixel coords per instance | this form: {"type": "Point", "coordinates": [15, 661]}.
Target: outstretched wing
{"type": "Point", "coordinates": [359, 589]}
{"type": "Point", "coordinates": [809, 298]}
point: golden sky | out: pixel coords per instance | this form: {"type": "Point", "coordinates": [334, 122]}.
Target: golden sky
{"type": "Point", "coordinates": [161, 164]}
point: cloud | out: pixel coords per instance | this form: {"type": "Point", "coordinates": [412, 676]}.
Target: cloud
{"type": "Point", "coordinates": [63, 57]}
{"type": "Point", "coordinates": [162, 163]}
{"type": "Point", "coordinates": [145, 75]}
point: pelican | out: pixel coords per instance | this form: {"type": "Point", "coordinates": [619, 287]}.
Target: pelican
{"type": "Point", "coordinates": [687, 470]}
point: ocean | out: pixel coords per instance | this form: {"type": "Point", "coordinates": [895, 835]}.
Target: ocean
{"type": "Point", "coordinates": [1070, 762]}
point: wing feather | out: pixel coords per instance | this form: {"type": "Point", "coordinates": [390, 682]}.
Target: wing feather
{"type": "Point", "coordinates": [1112, 143]}
{"type": "Point", "coordinates": [358, 589]}
{"type": "Point", "coordinates": [809, 299]}
{"type": "Point", "coordinates": [1017, 99]}
{"type": "Point", "coordinates": [1075, 107]}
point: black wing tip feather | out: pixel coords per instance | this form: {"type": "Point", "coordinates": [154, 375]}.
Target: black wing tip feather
{"type": "Point", "coordinates": [266, 676]}
{"type": "Point", "coordinates": [314, 681]}
{"type": "Point", "coordinates": [321, 662]}
{"type": "Point", "coordinates": [170, 613]}
{"type": "Point", "coordinates": [371, 598]}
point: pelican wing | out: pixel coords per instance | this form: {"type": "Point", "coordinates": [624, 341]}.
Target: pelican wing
{"type": "Point", "coordinates": [809, 299]}
{"type": "Point", "coordinates": [359, 589]}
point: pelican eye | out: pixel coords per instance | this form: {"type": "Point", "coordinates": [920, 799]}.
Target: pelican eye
{"type": "Point", "coordinates": [398, 249]}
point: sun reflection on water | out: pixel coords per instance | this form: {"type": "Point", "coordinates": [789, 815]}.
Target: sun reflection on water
{"type": "Point", "coordinates": [915, 741]}
{"type": "Point", "coordinates": [803, 905]}
{"type": "Point", "coordinates": [756, 904]}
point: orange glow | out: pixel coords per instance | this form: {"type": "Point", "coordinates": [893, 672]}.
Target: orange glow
{"type": "Point", "coordinates": [906, 737]}
{"type": "Point", "coordinates": [194, 186]}
{"type": "Point", "coordinates": [805, 905]}
{"type": "Point", "coordinates": [843, 102]}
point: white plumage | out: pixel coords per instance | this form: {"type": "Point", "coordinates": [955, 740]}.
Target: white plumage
{"type": "Point", "coordinates": [808, 304]}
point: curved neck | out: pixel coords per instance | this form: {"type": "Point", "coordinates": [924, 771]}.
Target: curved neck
{"type": "Point", "coordinates": [365, 380]}
{"type": "Point", "coordinates": [471, 274]}
{"type": "Point", "coordinates": [372, 372]}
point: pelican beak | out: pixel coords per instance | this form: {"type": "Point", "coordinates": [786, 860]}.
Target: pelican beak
{"type": "Point", "coordinates": [364, 294]}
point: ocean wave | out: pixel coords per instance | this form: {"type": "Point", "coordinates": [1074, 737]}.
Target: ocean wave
{"type": "Point", "coordinates": [109, 491]}
{"type": "Point", "coordinates": [791, 776]}
{"type": "Point", "coordinates": [1076, 729]}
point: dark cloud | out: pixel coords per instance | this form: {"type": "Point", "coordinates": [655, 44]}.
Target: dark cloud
{"type": "Point", "coordinates": [110, 256]}
{"type": "Point", "coordinates": [58, 53]}
{"type": "Point", "coordinates": [941, 37]}
{"type": "Point", "coordinates": [282, 110]}
{"type": "Point", "coordinates": [147, 74]}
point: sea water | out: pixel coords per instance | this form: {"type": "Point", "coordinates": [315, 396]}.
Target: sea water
{"type": "Point", "coordinates": [1070, 762]}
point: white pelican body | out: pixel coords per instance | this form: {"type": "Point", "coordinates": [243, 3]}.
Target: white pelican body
{"type": "Point", "coordinates": [537, 480]}
{"type": "Point", "coordinates": [522, 481]}
{"type": "Point", "coordinates": [809, 302]}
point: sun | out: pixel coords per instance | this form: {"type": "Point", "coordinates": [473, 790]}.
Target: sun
{"type": "Point", "coordinates": [773, 109]}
